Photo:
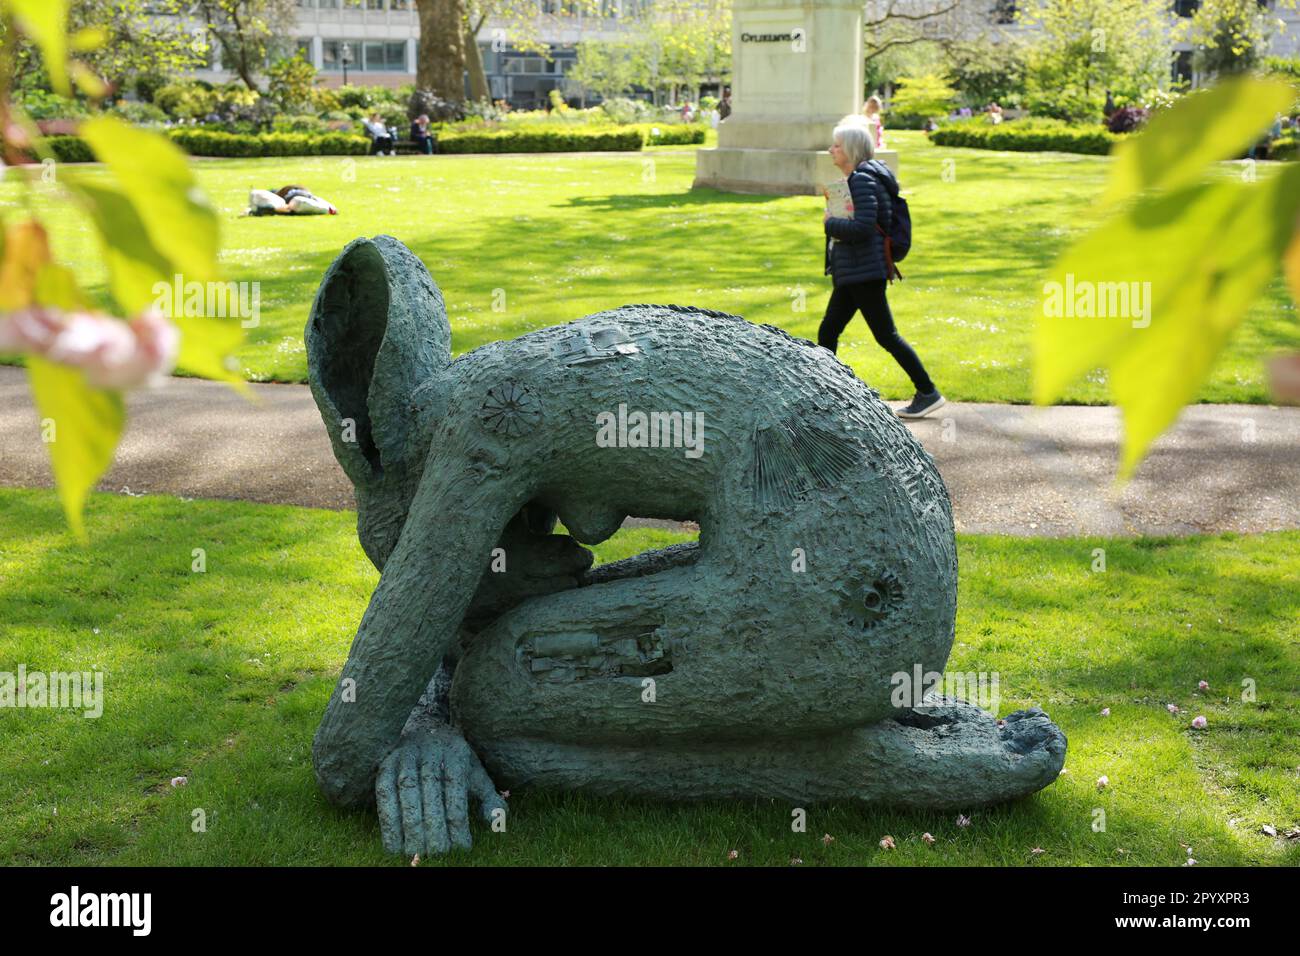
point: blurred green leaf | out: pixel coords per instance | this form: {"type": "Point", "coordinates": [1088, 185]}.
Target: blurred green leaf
{"type": "Point", "coordinates": [57, 286]}
{"type": "Point", "coordinates": [88, 82]}
{"type": "Point", "coordinates": [134, 262]}
{"type": "Point", "coordinates": [156, 225]}
{"type": "Point", "coordinates": [88, 38]}
{"type": "Point", "coordinates": [155, 177]}
{"type": "Point", "coordinates": [1179, 143]}
{"type": "Point", "coordinates": [1191, 262]}
{"type": "Point", "coordinates": [87, 423]}
{"type": "Point", "coordinates": [205, 342]}
{"type": "Point", "coordinates": [45, 22]}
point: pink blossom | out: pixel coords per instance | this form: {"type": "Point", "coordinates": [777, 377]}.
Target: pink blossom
{"type": "Point", "coordinates": [1105, 711]}
{"type": "Point", "coordinates": [1037, 851]}
{"type": "Point", "coordinates": [1172, 708]}
{"type": "Point", "coordinates": [180, 781]}
{"type": "Point", "coordinates": [887, 843]}
{"type": "Point", "coordinates": [733, 854]}
{"type": "Point", "coordinates": [1203, 685]}
{"type": "Point", "coordinates": [927, 839]}
{"type": "Point", "coordinates": [1199, 722]}
{"type": "Point", "coordinates": [827, 839]}
{"type": "Point", "coordinates": [1103, 782]}
{"type": "Point", "coordinates": [111, 353]}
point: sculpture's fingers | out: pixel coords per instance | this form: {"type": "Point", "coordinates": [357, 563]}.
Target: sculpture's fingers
{"type": "Point", "coordinates": [435, 820]}
{"type": "Point", "coordinates": [485, 791]}
{"type": "Point", "coordinates": [455, 795]}
{"type": "Point", "coordinates": [386, 803]}
{"type": "Point", "coordinates": [408, 794]}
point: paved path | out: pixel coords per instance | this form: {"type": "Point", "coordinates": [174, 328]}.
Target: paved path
{"type": "Point", "coordinates": [1011, 469]}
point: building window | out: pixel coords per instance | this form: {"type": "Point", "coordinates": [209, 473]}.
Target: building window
{"type": "Point", "coordinates": [1183, 66]}
{"type": "Point", "coordinates": [304, 48]}
{"type": "Point", "coordinates": [524, 64]}
{"type": "Point", "coordinates": [385, 57]}
{"type": "Point", "coordinates": [399, 4]}
{"type": "Point", "coordinates": [328, 4]}
{"type": "Point", "coordinates": [331, 56]}
{"type": "Point", "coordinates": [374, 4]}
{"type": "Point", "coordinates": [1185, 8]}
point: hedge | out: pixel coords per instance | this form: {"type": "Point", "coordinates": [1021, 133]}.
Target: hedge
{"type": "Point", "coordinates": [540, 141]}
{"type": "Point", "coordinates": [203, 142]}
{"type": "Point", "coordinates": [1005, 136]}
{"type": "Point", "coordinates": [69, 149]}
{"type": "Point", "coordinates": [678, 134]}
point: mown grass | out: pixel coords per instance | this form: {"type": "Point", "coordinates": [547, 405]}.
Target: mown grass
{"type": "Point", "coordinates": [222, 677]}
{"type": "Point", "coordinates": [562, 236]}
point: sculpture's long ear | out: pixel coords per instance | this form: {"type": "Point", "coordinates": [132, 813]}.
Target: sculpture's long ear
{"type": "Point", "coordinates": [378, 329]}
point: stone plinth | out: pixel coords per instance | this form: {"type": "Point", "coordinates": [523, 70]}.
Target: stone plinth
{"type": "Point", "coordinates": [797, 71]}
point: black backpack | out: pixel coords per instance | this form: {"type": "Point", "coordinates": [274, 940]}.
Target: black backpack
{"type": "Point", "coordinates": [898, 238]}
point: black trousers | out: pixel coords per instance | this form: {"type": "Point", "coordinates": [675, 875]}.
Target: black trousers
{"type": "Point", "coordinates": [869, 297]}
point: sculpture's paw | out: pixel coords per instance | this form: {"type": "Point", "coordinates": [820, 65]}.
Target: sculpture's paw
{"type": "Point", "coordinates": [423, 793]}
{"type": "Point", "coordinates": [949, 754]}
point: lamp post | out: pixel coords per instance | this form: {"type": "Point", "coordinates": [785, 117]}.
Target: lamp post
{"type": "Point", "coordinates": [345, 57]}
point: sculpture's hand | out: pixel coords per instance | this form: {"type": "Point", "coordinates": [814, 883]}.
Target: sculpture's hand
{"type": "Point", "coordinates": [423, 792]}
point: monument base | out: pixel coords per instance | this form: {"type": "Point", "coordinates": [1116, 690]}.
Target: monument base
{"type": "Point", "coordinates": [772, 172]}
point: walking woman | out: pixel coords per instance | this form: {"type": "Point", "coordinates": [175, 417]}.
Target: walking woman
{"type": "Point", "coordinates": [855, 259]}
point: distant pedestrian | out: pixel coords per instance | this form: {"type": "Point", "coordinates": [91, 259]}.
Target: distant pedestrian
{"type": "Point", "coordinates": [872, 110]}
{"type": "Point", "coordinates": [857, 263]}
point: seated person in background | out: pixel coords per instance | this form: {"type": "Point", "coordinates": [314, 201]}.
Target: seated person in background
{"type": "Point", "coordinates": [381, 137]}
{"type": "Point", "coordinates": [420, 134]}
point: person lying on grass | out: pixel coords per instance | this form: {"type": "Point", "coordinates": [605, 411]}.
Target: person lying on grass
{"type": "Point", "coordinates": [288, 201]}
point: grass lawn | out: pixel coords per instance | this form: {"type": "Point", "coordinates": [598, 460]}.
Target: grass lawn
{"type": "Point", "coordinates": [223, 676]}
{"type": "Point", "coordinates": [567, 235]}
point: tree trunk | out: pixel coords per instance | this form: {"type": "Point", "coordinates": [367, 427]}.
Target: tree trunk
{"type": "Point", "coordinates": [440, 60]}
{"type": "Point", "coordinates": [478, 83]}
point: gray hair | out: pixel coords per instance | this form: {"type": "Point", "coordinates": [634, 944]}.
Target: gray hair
{"type": "Point", "coordinates": [856, 140]}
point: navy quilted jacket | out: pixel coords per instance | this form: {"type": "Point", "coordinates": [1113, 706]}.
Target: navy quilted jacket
{"type": "Point", "coordinates": [857, 253]}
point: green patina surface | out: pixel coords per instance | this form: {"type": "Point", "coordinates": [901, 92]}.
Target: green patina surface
{"type": "Point", "coordinates": [760, 662]}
